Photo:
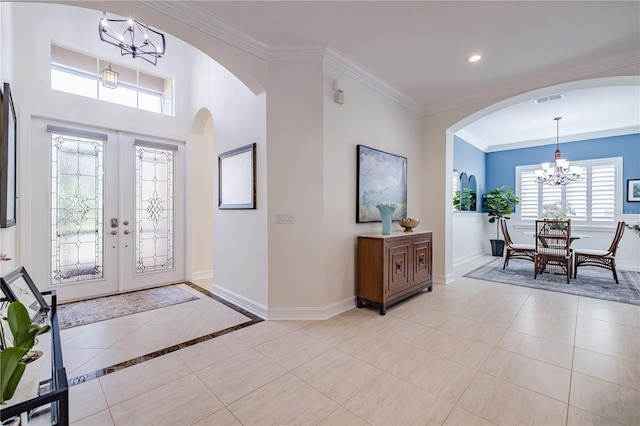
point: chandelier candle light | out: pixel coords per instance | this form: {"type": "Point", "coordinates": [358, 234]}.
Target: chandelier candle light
{"type": "Point", "coordinates": [558, 173]}
{"type": "Point", "coordinates": [133, 38]}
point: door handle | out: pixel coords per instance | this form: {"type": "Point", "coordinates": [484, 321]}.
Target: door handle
{"type": "Point", "coordinates": [114, 232]}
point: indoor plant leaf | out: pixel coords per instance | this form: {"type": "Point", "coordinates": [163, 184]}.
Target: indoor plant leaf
{"type": "Point", "coordinates": [11, 370]}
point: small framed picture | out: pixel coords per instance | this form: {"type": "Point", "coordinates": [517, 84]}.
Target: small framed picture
{"type": "Point", "coordinates": [633, 190]}
{"type": "Point", "coordinates": [237, 178]}
{"type": "Point", "coordinates": [18, 286]}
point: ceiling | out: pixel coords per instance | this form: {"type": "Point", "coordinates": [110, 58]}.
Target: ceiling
{"type": "Point", "coordinates": [420, 48]}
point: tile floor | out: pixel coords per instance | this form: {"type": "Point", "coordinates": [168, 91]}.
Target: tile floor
{"type": "Point", "coordinates": [92, 347]}
{"type": "Point", "coordinates": [469, 353]}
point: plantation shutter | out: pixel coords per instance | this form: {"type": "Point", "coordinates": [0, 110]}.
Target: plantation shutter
{"type": "Point", "coordinates": [595, 199]}
{"type": "Point", "coordinates": [551, 194]}
{"type": "Point", "coordinates": [528, 193]}
{"type": "Point", "coordinates": [603, 189]}
{"type": "Point", "coordinates": [576, 197]}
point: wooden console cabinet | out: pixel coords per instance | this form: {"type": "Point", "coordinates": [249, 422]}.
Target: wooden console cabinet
{"type": "Point", "coordinates": [391, 268]}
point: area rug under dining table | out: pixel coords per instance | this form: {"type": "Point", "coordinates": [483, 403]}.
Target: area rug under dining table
{"type": "Point", "coordinates": [591, 282]}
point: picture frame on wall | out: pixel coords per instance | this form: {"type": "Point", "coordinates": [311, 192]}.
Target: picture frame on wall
{"type": "Point", "coordinates": [633, 190]}
{"type": "Point", "coordinates": [237, 178]}
{"type": "Point", "coordinates": [381, 178]}
{"type": "Point", "coordinates": [8, 140]}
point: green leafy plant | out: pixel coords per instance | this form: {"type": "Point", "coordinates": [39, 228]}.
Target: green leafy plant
{"type": "Point", "coordinates": [465, 199]}
{"type": "Point", "coordinates": [499, 204]}
{"type": "Point", "coordinates": [24, 334]}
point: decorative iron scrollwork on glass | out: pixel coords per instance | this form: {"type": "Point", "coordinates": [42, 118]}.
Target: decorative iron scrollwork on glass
{"type": "Point", "coordinates": [154, 211]}
{"type": "Point", "coordinates": [77, 202]}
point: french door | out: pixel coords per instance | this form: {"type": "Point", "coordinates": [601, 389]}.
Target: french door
{"type": "Point", "coordinates": [109, 209]}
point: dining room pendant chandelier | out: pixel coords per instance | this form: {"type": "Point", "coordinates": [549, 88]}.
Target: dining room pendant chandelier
{"type": "Point", "coordinates": [133, 38]}
{"type": "Point", "coordinates": [559, 172]}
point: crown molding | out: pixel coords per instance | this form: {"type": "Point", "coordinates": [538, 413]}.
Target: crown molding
{"type": "Point", "coordinates": [608, 133]}
{"type": "Point", "coordinates": [191, 14]}
{"type": "Point", "coordinates": [346, 65]}
{"type": "Point", "coordinates": [569, 74]}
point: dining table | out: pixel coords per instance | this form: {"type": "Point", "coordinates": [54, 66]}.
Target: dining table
{"type": "Point", "coordinates": [572, 238]}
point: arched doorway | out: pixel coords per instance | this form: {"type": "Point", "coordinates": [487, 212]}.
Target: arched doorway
{"type": "Point", "coordinates": [201, 202]}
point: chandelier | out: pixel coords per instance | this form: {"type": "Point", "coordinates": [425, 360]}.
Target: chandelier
{"type": "Point", "coordinates": [133, 38]}
{"type": "Point", "coordinates": [558, 172]}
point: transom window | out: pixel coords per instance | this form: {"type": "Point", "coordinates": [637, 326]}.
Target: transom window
{"type": "Point", "coordinates": [80, 74]}
{"type": "Point", "coordinates": [595, 200]}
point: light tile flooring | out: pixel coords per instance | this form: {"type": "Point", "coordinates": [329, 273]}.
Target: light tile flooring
{"type": "Point", "coordinates": [469, 353]}
{"type": "Point", "coordinates": [92, 347]}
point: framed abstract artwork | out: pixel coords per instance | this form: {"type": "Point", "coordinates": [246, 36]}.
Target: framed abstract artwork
{"type": "Point", "coordinates": [382, 178]}
{"type": "Point", "coordinates": [237, 178]}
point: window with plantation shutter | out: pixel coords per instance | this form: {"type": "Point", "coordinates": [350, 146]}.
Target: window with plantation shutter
{"type": "Point", "coordinates": [595, 199]}
{"type": "Point", "coordinates": [527, 190]}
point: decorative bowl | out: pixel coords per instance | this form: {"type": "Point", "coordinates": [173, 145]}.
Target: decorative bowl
{"type": "Point", "coordinates": [408, 224]}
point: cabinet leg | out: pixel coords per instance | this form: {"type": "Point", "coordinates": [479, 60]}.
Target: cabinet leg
{"type": "Point", "coordinates": [383, 309]}
{"type": "Point", "coordinates": [359, 303]}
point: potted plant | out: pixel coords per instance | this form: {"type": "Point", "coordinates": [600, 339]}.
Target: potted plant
{"type": "Point", "coordinates": [499, 205]}
{"type": "Point", "coordinates": [14, 358]}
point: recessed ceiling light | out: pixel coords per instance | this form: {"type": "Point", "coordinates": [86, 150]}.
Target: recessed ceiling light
{"type": "Point", "coordinates": [474, 58]}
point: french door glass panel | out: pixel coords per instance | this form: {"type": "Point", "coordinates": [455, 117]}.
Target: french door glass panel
{"type": "Point", "coordinates": [154, 209]}
{"type": "Point", "coordinates": [77, 209]}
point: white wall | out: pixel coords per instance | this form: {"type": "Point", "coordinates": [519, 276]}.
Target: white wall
{"type": "Point", "coordinates": [369, 119]}
{"type": "Point", "coordinates": [469, 240]}
{"type": "Point", "coordinates": [295, 162]}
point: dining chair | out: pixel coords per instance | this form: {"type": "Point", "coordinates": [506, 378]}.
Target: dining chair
{"type": "Point", "coordinates": [515, 251]}
{"type": "Point", "coordinates": [600, 258]}
{"type": "Point", "coordinates": [553, 248]}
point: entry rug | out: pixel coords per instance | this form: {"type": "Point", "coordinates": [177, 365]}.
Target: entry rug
{"type": "Point", "coordinates": [592, 282]}
{"type": "Point", "coordinates": [89, 311]}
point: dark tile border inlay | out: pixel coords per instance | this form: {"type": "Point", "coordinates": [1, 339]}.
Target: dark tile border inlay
{"type": "Point", "coordinates": [122, 365]}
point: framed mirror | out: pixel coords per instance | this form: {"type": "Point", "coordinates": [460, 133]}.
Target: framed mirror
{"type": "Point", "coordinates": [464, 191]}
{"type": "Point", "coordinates": [473, 190]}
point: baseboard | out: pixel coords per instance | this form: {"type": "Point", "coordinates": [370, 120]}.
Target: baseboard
{"type": "Point", "coordinates": [321, 313]}
{"type": "Point", "coordinates": [627, 266]}
{"type": "Point", "coordinates": [202, 275]}
{"type": "Point", "coordinates": [469, 257]}
{"type": "Point", "coordinates": [241, 301]}
{"type": "Point", "coordinates": [443, 279]}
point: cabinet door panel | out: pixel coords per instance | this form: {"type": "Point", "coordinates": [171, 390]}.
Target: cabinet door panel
{"type": "Point", "coordinates": [422, 261]}
{"type": "Point", "coordinates": [399, 269]}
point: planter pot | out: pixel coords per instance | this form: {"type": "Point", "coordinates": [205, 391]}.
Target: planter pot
{"type": "Point", "coordinates": [497, 247]}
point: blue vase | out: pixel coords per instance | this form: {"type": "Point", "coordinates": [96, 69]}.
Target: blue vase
{"type": "Point", "coordinates": [386, 214]}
